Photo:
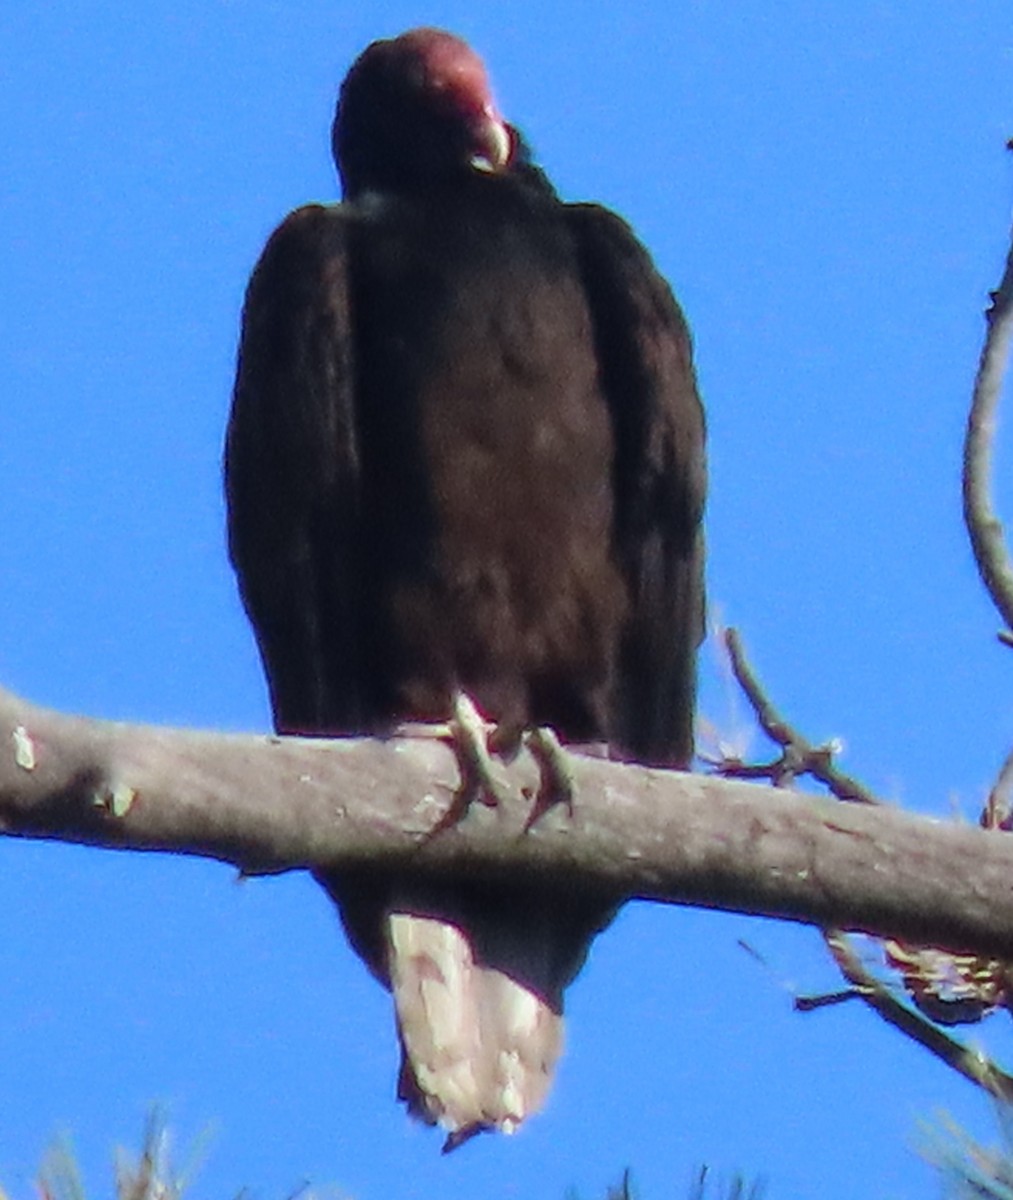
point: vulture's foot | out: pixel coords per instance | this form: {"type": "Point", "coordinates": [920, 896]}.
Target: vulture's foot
{"type": "Point", "coordinates": [554, 766]}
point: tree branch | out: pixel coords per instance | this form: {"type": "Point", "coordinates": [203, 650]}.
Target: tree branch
{"type": "Point", "coordinates": [965, 1060]}
{"type": "Point", "coordinates": [946, 986]}
{"type": "Point", "coordinates": [798, 755]}
{"type": "Point", "coordinates": [983, 525]}
{"type": "Point", "coordinates": [271, 804]}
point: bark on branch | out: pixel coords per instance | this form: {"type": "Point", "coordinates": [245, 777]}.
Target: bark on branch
{"type": "Point", "coordinates": [270, 804]}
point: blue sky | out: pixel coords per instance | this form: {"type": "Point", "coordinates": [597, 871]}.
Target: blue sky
{"type": "Point", "coordinates": [826, 187]}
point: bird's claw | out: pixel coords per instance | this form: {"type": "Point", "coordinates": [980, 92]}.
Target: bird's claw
{"type": "Point", "coordinates": [469, 737]}
{"type": "Point", "coordinates": [556, 782]}
{"type": "Point", "coordinates": [468, 734]}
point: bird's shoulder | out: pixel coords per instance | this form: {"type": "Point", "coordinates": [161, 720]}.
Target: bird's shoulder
{"type": "Point", "coordinates": [618, 264]}
{"type": "Point", "coordinates": [309, 236]}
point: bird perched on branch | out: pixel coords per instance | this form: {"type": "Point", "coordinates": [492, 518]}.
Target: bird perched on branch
{"type": "Point", "coordinates": [466, 454]}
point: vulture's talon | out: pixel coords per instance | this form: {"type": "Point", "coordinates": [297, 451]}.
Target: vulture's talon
{"type": "Point", "coordinates": [556, 783]}
{"type": "Point", "coordinates": [468, 733]}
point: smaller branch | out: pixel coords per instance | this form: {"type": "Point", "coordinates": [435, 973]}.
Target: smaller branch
{"type": "Point", "coordinates": [966, 1061]}
{"type": "Point", "coordinates": [983, 525]}
{"type": "Point", "coordinates": [799, 756]}
{"type": "Point", "coordinates": [947, 988]}
{"type": "Point", "coordinates": [805, 1004]}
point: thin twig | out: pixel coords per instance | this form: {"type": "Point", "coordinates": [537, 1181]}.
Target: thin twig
{"type": "Point", "coordinates": [997, 812]}
{"type": "Point", "coordinates": [799, 755]}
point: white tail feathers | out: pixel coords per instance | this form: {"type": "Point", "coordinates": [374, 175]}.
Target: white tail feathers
{"type": "Point", "coordinates": [477, 970]}
{"type": "Point", "coordinates": [478, 1048]}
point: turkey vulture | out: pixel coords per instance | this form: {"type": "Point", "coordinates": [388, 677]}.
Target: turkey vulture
{"type": "Point", "coordinates": [466, 452]}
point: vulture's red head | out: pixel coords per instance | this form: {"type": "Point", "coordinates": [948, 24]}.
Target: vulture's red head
{"type": "Point", "coordinates": [416, 109]}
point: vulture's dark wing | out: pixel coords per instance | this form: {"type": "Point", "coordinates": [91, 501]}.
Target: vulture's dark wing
{"type": "Point", "coordinates": [659, 480]}
{"type": "Point", "coordinates": [291, 472]}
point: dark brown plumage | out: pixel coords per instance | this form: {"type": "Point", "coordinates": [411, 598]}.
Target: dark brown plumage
{"type": "Point", "coordinates": [466, 452]}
